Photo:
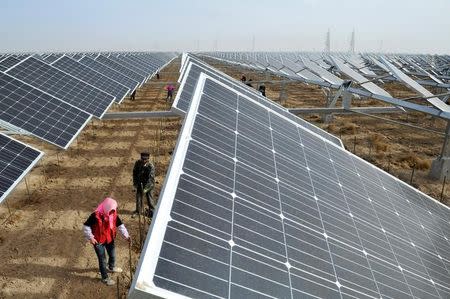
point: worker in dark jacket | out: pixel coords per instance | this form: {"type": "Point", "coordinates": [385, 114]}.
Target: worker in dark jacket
{"type": "Point", "coordinates": [143, 182]}
{"type": "Point", "coordinates": [262, 90]}
{"type": "Point", "coordinates": [100, 230]}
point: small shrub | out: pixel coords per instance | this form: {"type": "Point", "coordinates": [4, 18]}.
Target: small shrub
{"type": "Point", "coordinates": [349, 128]}
{"type": "Point", "coordinates": [376, 140]}
{"type": "Point", "coordinates": [412, 159]}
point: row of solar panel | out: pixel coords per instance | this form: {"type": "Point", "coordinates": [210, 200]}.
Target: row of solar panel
{"type": "Point", "coordinates": [257, 205]}
{"type": "Point", "coordinates": [322, 69]}
{"type": "Point", "coordinates": [190, 72]}
{"type": "Point", "coordinates": [54, 96]}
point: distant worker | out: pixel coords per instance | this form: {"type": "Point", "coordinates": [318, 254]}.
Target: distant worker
{"type": "Point", "coordinates": [133, 95]}
{"type": "Point", "coordinates": [158, 76]}
{"type": "Point", "coordinates": [243, 79]}
{"type": "Point", "coordinates": [100, 230]}
{"type": "Point", "coordinates": [170, 88]}
{"type": "Point", "coordinates": [249, 83]}
{"type": "Point", "coordinates": [262, 90]}
{"type": "Point", "coordinates": [143, 182]}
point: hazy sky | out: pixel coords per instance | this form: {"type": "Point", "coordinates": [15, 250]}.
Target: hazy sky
{"type": "Point", "coordinates": [417, 26]}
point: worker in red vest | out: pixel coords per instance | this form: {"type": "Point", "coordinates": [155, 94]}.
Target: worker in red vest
{"type": "Point", "coordinates": [100, 230]}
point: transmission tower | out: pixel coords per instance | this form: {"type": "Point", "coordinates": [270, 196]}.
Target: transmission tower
{"type": "Point", "coordinates": [327, 42]}
{"type": "Point", "coordinates": [352, 42]}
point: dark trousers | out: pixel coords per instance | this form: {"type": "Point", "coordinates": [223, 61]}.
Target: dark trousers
{"type": "Point", "coordinates": [100, 250]}
{"type": "Point", "coordinates": [139, 196]}
{"type": "Point", "coordinates": [169, 95]}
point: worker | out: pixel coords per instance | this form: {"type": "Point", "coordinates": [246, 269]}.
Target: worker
{"type": "Point", "coordinates": [143, 182]}
{"type": "Point", "coordinates": [262, 90]}
{"type": "Point", "coordinates": [133, 95]}
{"type": "Point", "coordinates": [100, 230]}
{"type": "Point", "coordinates": [170, 88]}
{"type": "Point", "coordinates": [243, 78]}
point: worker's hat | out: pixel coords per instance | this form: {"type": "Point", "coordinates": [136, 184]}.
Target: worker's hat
{"type": "Point", "coordinates": [145, 154]}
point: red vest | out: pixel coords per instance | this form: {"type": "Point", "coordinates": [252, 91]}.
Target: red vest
{"type": "Point", "coordinates": [102, 231]}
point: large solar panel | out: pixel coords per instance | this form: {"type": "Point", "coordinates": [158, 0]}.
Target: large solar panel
{"type": "Point", "coordinates": [16, 160]}
{"type": "Point", "coordinates": [8, 62]}
{"type": "Point", "coordinates": [38, 113]}
{"type": "Point", "coordinates": [256, 207]}
{"type": "Point", "coordinates": [92, 77]}
{"type": "Point", "coordinates": [120, 68]}
{"type": "Point", "coordinates": [109, 72]}
{"type": "Point", "coordinates": [187, 87]}
{"type": "Point", "coordinates": [62, 86]}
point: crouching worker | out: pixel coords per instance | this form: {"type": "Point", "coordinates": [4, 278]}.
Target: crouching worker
{"type": "Point", "coordinates": [100, 230]}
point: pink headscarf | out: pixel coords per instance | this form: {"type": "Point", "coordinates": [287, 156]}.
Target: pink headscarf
{"type": "Point", "coordinates": [105, 207]}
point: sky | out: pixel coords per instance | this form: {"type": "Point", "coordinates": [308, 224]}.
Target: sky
{"type": "Point", "coordinates": [399, 26]}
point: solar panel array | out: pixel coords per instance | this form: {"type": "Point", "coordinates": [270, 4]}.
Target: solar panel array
{"type": "Point", "coordinates": [195, 67]}
{"type": "Point", "coordinates": [8, 62]}
{"type": "Point", "coordinates": [54, 102]}
{"type": "Point", "coordinates": [347, 70]}
{"type": "Point", "coordinates": [120, 68]}
{"type": "Point", "coordinates": [62, 86]}
{"type": "Point", "coordinates": [38, 113]}
{"type": "Point", "coordinates": [326, 66]}
{"type": "Point", "coordinates": [111, 73]}
{"type": "Point", "coordinates": [255, 206]}
{"type": "Point", "coordinates": [16, 160]}
{"type": "Point", "coordinates": [130, 65]}
{"type": "Point", "coordinates": [92, 77]}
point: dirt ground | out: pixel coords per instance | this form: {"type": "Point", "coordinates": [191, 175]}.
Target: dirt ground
{"type": "Point", "coordinates": [43, 251]}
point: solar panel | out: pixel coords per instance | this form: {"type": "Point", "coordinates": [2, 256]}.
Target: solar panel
{"type": "Point", "coordinates": [120, 68]}
{"type": "Point", "coordinates": [16, 160]}
{"type": "Point", "coordinates": [324, 74]}
{"type": "Point", "coordinates": [109, 72]}
{"type": "Point", "coordinates": [92, 77]}
{"type": "Point", "coordinates": [77, 56]}
{"type": "Point", "coordinates": [8, 62]}
{"type": "Point", "coordinates": [38, 113]}
{"type": "Point", "coordinates": [52, 57]}
{"type": "Point", "coordinates": [139, 62]}
{"type": "Point", "coordinates": [187, 87]}
{"type": "Point", "coordinates": [62, 86]}
{"type": "Point", "coordinates": [358, 63]}
{"type": "Point", "coordinates": [254, 206]}
{"type": "Point", "coordinates": [370, 86]}
{"type": "Point", "coordinates": [416, 86]}
{"type": "Point", "coordinates": [300, 70]}
{"type": "Point", "coordinates": [133, 66]}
